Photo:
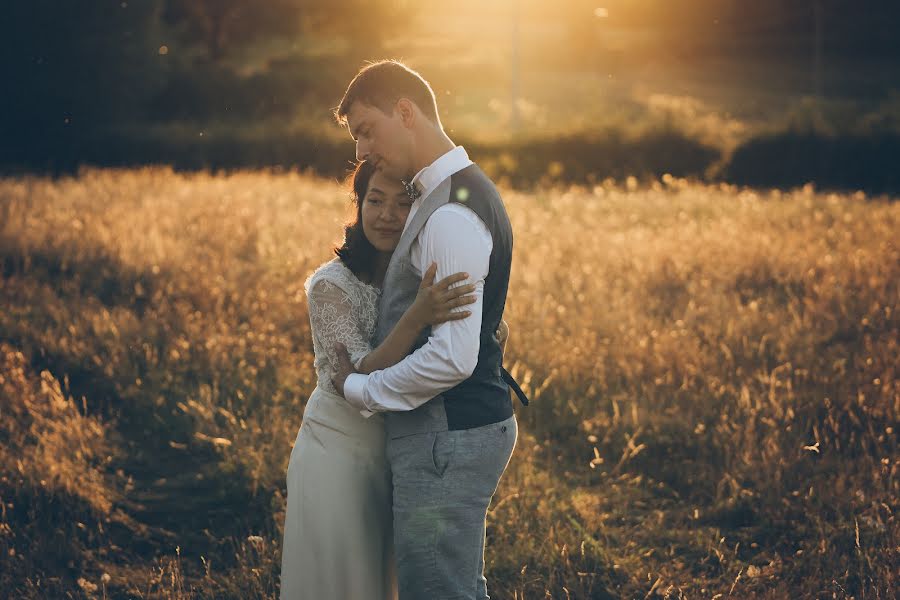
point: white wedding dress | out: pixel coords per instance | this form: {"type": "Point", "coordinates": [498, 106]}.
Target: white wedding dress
{"type": "Point", "coordinates": [337, 528]}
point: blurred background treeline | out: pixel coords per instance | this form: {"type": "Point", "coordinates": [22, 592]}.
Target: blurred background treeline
{"type": "Point", "coordinates": [771, 92]}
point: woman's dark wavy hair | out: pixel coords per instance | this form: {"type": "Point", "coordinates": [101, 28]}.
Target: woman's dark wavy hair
{"type": "Point", "coordinates": [357, 252]}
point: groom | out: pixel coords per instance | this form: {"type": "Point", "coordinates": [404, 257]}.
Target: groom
{"type": "Point", "coordinates": [450, 423]}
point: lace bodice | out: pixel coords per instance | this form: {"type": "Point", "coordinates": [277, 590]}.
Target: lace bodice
{"type": "Point", "coordinates": [341, 309]}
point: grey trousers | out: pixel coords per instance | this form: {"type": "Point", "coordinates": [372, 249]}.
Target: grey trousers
{"type": "Point", "coordinates": [443, 483]}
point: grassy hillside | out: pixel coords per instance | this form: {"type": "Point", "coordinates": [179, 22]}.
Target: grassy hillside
{"type": "Point", "coordinates": [713, 374]}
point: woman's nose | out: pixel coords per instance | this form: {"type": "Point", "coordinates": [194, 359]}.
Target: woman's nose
{"type": "Point", "coordinates": [390, 214]}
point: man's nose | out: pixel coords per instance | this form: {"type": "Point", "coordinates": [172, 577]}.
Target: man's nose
{"type": "Point", "coordinates": [362, 151]}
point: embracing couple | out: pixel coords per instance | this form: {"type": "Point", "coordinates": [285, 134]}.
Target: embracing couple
{"type": "Point", "coordinates": [411, 425]}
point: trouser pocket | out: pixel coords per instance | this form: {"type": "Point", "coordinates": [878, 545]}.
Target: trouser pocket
{"type": "Point", "coordinates": [443, 446]}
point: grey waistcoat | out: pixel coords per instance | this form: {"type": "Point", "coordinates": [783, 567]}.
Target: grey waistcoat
{"type": "Point", "coordinates": [484, 397]}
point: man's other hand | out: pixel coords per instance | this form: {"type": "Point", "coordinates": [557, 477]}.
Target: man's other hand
{"type": "Point", "coordinates": [342, 369]}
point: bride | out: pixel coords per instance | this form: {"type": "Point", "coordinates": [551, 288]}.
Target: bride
{"type": "Point", "coordinates": [337, 530]}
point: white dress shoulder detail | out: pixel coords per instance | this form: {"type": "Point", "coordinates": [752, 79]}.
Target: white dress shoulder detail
{"type": "Point", "coordinates": [338, 526]}
{"type": "Point", "coordinates": [341, 309]}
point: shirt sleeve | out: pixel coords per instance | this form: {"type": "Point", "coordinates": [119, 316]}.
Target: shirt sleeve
{"type": "Point", "coordinates": [458, 241]}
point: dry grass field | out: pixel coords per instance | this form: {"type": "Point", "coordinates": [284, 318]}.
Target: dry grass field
{"type": "Point", "coordinates": [713, 373]}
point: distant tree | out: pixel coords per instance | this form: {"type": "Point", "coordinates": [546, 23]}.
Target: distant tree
{"type": "Point", "coordinates": [364, 23]}
{"type": "Point", "coordinates": [846, 26]}
{"type": "Point", "coordinates": [76, 65]}
{"type": "Point", "coordinates": [221, 26]}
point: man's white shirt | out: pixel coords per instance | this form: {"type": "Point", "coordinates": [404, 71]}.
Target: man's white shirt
{"type": "Point", "coordinates": [457, 240]}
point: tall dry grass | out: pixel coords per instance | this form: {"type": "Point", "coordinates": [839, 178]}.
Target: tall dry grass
{"type": "Point", "coordinates": [53, 493]}
{"type": "Point", "coordinates": [713, 375]}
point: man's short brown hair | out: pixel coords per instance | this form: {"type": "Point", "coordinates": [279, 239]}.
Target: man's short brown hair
{"type": "Point", "coordinates": [381, 84]}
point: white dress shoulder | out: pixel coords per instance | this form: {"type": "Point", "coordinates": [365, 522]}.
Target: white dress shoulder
{"type": "Point", "coordinates": [337, 528]}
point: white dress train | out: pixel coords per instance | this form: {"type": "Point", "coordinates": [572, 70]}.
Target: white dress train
{"type": "Point", "coordinates": [337, 530]}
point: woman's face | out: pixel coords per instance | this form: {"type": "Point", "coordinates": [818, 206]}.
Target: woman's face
{"type": "Point", "coordinates": [384, 210]}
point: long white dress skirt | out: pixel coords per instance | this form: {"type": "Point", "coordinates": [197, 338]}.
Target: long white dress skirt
{"type": "Point", "coordinates": [337, 528]}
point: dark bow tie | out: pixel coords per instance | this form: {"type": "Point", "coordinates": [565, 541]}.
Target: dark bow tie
{"type": "Point", "coordinates": [412, 190]}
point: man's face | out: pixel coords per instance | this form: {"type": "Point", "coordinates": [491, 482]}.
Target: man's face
{"type": "Point", "coordinates": [381, 139]}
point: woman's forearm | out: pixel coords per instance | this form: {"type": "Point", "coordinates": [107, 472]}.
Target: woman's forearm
{"type": "Point", "coordinates": [395, 347]}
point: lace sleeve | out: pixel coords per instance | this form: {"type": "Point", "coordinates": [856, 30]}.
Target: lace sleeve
{"type": "Point", "coordinates": [333, 319]}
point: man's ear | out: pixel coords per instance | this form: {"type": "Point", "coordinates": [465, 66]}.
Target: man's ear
{"type": "Point", "coordinates": [407, 111]}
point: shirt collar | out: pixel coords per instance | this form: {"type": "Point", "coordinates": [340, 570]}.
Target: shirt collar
{"type": "Point", "coordinates": [447, 164]}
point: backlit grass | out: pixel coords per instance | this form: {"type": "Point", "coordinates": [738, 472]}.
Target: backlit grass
{"type": "Point", "coordinates": [712, 372]}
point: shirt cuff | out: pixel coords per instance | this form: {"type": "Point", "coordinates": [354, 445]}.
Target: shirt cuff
{"type": "Point", "coordinates": [354, 392]}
